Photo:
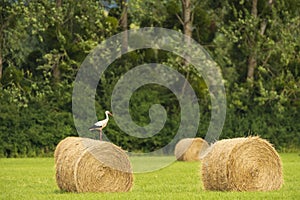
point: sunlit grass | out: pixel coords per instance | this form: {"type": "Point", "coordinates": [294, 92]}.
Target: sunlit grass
{"type": "Point", "coordinates": [34, 178]}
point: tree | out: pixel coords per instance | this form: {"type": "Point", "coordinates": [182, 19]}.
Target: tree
{"type": "Point", "coordinates": [187, 21]}
{"type": "Point", "coordinates": [258, 48]}
{"type": "Point", "coordinates": [252, 60]}
{"type": "Point", "coordinates": [124, 24]}
{"type": "Point", "coordinates": [7, 25]}
{"type": "Point", "coordinates": [42, 44]}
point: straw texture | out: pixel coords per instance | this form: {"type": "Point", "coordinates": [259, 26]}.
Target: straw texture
{"type": "Point", "coordinates": [189, 149]}
{"type": "Point", "coordinates": [86, 165]}
{"type": "Point", "coordinates": [242, 164]}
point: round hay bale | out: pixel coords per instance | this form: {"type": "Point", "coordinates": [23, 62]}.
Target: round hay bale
{"type": "Point", "coordinates": [189, 149]}
{"type": "Point", "coordinates": [242, 164]}
{"type": "Point", "coordinates": [86, 165]}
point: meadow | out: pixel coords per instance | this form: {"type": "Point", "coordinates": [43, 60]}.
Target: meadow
{"type": "Point", "coordinates": [34, 178]}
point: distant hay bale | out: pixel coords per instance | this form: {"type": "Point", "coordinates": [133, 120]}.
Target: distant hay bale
{"type": "Point", "coordinates": [189, 149]}
{"type": "Point", "coordinates": [86, 165]}
{"type": "Point", "coordinates": [242, 164]}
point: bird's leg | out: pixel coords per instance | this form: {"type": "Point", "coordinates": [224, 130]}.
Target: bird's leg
{"type": "Point", "coordinates": [100, 135]}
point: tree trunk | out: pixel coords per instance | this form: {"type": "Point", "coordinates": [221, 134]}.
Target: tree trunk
{"type": "Point", "coordinates": [2, 28]}
{"type": "Point", "coordinates": [254, 8]}
{"type": "Point", "coordinates": [187, 18]}
{"type": "Point", "coordinates": [56, 71]}
{"type": "Point", "coordinates": [252, 61]}
{"type": "Point", "coordinates": [55, 68]}
{"type": "Point", "coordinates": [124, 25]}
{"type": "Point", "coordinates": [1, 66]}
{"type": "Point", "coordinates": [187, 29]}
{"type": "Point", "coordinates": [58, 3]}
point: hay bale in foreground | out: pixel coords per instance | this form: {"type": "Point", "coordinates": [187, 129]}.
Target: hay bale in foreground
{"type": "Point", "coordinates": [189, 149]}
{"type": "Point", "coordinates": [86, 165]}
{"type": "Point", "coordinates": [242, 164]}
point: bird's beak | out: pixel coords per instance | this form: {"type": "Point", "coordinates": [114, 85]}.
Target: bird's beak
{"type": "Point", "coordinates": [110, 114]}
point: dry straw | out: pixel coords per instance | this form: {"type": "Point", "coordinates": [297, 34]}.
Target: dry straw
{"type": "Point", "coordinates": [189, 149]}
{"type": "Point", "coordinates": [242, 164]}
{"type": "Point", "coordinates": [86, 165]}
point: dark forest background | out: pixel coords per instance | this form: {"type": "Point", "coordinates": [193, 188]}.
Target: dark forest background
{"type": "Point", "coordinates": [256, 43]}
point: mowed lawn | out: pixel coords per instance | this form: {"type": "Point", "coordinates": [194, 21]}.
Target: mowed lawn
{"type": "Point", "coordinates": [34, 178]}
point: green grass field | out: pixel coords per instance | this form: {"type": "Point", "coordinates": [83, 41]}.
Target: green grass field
{"type": "Point", "coordinates": [34, 178]}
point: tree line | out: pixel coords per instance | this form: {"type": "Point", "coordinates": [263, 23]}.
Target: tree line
{"type": "Point", "coordinates": [44, 42]}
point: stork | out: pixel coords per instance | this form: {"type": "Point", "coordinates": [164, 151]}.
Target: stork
{"type": "Point", "coordinates": [101, 124]}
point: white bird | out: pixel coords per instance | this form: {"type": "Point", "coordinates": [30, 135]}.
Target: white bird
{"type": "Point", "coordinates": [101, 124]}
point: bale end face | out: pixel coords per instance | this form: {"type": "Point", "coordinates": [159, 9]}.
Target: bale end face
{"type": "Point", "coordinates": [86, 165]}
{"type": "Point", "coordinates": [242, 164]}
{"type": "Point", "coordinates": [189, 149]}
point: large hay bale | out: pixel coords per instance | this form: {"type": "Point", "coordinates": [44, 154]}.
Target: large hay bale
{"type": "Point", "coordinates": [189, 149]}
{"type": "Point", "coordinates": [242, 164]}
{"type": "Point", "coordinates": [86, 165]}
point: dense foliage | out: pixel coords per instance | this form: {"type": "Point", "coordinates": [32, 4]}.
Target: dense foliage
{"type": "Point", "coordinates": [42, 44]}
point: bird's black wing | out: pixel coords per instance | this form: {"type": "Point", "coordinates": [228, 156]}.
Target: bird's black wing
{"type": "Point", "coordinates": [94, 127]}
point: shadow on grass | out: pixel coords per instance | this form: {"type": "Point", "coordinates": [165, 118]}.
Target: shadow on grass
{"type": "Point", "coordinates": [57, 191]}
